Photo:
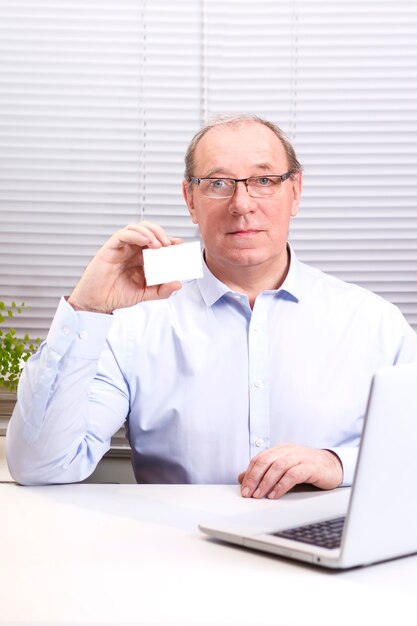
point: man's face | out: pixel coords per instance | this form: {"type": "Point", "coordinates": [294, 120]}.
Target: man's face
{"type": "Point", "coordinates": [242, 231]}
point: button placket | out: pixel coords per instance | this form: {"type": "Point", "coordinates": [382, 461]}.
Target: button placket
{"type": "Point", "coordinates": [258, 376]}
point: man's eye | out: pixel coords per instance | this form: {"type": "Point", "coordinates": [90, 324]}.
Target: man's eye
{"type": "Point", "coordinates": [264, 181]}
{"type": "Point", "coordinates": [219, 183]}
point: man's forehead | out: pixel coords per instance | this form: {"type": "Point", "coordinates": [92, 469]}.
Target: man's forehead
{"type": "Point", "coordinates": [250, 140]}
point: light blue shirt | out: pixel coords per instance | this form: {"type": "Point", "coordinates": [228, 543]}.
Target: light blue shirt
{"type": "Point", "coordinates": [203, 382]}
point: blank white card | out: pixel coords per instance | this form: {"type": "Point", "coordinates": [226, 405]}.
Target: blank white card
{"type": "Point", "coordinates": [177, 262]}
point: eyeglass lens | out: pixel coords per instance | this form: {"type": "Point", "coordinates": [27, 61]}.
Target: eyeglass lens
{"type": "Point", "coordinates": [257, 187]}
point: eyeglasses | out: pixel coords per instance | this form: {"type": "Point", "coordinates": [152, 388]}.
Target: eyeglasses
{"type": "Point", "coordinates": [256, 186]}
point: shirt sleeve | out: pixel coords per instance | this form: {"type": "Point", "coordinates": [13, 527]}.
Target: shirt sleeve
{"type": "Point", "coordinates": [348, 457]}
{"type": "Point", "coordinates": [66, 413]}
{"type": "Point", "coordinates": [398, 345]}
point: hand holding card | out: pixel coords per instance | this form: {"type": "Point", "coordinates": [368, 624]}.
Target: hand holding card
{"type": "Point", "coordinates": [177, 262]}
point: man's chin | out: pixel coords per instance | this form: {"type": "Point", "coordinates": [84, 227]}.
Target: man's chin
{"type": "Point", "coordinates": [244, 257]}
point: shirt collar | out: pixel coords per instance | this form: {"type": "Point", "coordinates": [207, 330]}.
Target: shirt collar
{"type": "Point", "coordinates": [213, 289]}
{"type": "Point", "coordinates": [210, 287]}
{"type": "Point", "coordinates": [291, 287]}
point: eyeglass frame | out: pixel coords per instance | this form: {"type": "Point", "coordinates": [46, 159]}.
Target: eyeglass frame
{"type": "Point", "coordinates": [197, 181]}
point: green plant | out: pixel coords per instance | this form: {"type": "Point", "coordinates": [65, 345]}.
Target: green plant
{"type": "Point", "coordinates": [14, 351]}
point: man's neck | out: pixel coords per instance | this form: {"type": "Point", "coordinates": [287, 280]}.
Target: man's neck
{"type": "Point", "coordinates": [252, 280]}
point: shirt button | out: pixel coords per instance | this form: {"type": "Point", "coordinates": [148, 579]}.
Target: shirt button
{"type": "Point", "coordinates": [257, 383]}
{"type": "Point", "coordinates": [257, 328]}
{"type": "Point", "coordinates": [83, 334]}
{"type": "Point", "coordinates": [65, 330]}
{"type": "Point", "coordinates": [259, 442]}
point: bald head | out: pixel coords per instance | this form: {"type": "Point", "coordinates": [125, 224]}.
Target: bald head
{"type": "Point", "coordinates": [237, 121]}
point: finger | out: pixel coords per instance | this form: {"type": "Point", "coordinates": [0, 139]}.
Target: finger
{"type": "Point", "coordinates": [166, 289]}
{"type": "Point", "coordinates": [149, 234]}
{"type": "Point", "coordinates": [275, 472]}
{"type": "Point", "coordinates": [156, 233]}
{"type": "Point", "coordinates": [253, 475]}
{"type": "Point", "coordinates": [143, 234]}
{"type": "Point", "coordinates": [176, 240]}
{"type": "Point", "coordinates": [266, 469]}
{"type": "Point", "coordinates": [294, 476]}
{"type": "Point", "coordinates": [160, 292]}
{"type": "Point", "coordinates": [121, 245]}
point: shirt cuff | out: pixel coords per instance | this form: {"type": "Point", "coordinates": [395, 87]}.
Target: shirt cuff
{"type": "Point", "coordinates": [78, 333]}
{"type": "Point", "coordinates": [348, 458]}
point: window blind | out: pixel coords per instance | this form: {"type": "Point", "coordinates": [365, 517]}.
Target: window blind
{"type": "Point", "coordinates": [340, 79]}
{"type": "Point", "coordinates": [100, 98]}
{"type": "Point", "coordinates": [98, 101]}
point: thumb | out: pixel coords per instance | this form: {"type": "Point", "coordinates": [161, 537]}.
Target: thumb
{"type": "Point", "coordinates": [166, 289]}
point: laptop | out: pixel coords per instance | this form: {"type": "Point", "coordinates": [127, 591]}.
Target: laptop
{"type": "Point", "coordinates": [375, 520]}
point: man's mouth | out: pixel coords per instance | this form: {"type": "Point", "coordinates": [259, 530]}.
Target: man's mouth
{"type": "Point", "coordinates": [247, 232]}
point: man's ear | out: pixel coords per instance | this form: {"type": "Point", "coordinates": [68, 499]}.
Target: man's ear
{"type": "Point", "coordinates": [188, 197]}
{"type": "Point", "coordinates": [297, 186]}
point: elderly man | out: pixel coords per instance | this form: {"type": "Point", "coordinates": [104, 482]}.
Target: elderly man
{"type": "Point", "coordinates": [258, 372]}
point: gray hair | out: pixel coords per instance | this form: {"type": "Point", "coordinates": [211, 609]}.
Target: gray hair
{"type": "Point", "coordinates": [235, 120]}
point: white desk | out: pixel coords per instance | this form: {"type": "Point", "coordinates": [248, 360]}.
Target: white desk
{"type": "Point", "coordinates": [130, 554]}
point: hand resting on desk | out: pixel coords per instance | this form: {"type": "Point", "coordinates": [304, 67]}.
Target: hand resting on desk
{"type": "Point", "coordinates": [277, 470]}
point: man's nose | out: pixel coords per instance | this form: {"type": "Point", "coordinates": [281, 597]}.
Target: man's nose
{"type": "Point", "coordinates": [241, 202]}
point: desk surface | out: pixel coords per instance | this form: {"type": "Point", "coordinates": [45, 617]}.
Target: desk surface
{"type": "Point", "coordinates": [132, 554]}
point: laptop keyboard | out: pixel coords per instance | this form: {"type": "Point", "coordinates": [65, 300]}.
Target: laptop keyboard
{"type": "Point", "coordinates": [326, 534]}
